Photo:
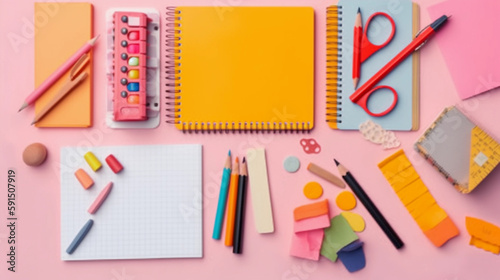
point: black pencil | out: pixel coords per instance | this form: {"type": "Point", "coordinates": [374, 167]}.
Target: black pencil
{"type": "Point", "coordinates": [240, 209]}
{"type": "Point", "coordinates": [372, 209]}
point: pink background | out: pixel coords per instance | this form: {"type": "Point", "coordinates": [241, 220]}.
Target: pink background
{"type": "Point", "coordinates": [265, 256]}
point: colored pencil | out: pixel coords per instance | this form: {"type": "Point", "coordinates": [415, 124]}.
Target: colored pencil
{"type": "Point", "coordinates": [367, 202]}
{"type": "Point", "coordinates": [231, 205]}
{"type": "Point", "coordinates": [75, 78]}
{"type": "Point", "coordinates": [240, 209]}
{"type": "Point", "coordinates": [58, 73]}
{"type": "Point", "coordinates": [418, 42]}
{"type": "Point", "coordinates": [221, 205]}
{"type": "Point", "coordinates": [356, 56]}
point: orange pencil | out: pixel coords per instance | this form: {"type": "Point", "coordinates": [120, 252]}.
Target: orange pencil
{"type": "Point", "coordinates": [231, 204]}
{"type": "Point", "coordinates": [356, 56]}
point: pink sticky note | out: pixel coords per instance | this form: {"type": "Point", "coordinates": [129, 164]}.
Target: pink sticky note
{"type": "Point", "coordinates": [318, 222]}
{"type": "Point", "coordinates": [307, 244]}
{"type": "Point", "coordinates": [467, 44]}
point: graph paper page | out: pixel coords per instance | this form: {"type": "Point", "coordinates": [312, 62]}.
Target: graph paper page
{"type": "Point", "coordinates": [153, 210]}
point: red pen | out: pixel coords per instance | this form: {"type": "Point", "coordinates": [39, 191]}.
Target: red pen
{"type": "Point", "coordinates": [415, 45]}
{"type": "Point", "coordinates": [356, 56]}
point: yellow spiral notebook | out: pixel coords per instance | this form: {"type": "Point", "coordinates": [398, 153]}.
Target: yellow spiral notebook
{"type": "Point", "coordinates": [240, 68]}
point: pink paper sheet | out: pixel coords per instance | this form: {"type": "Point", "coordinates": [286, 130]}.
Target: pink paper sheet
{"type": "Point", "coordinates": [470, 44]}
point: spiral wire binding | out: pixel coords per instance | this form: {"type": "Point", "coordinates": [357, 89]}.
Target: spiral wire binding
{"type": "Point", "coordinates": [333, 65]}
{"type": "Point", "coordinates": [174, 91]}
{"type": "Point", "coordinates": [172, 64]}
{"type": "Point", "coordinates": [244, 127]}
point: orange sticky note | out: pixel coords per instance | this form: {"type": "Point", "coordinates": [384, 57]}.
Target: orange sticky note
{"type": "Point", "coordinates": [311, 210]}
{"type": "Point", "coordinates": [484, 235]}
{"type": "Point", "coordinates": [443, 232]}
{"type": "Point", "coordinates": [67, 28]}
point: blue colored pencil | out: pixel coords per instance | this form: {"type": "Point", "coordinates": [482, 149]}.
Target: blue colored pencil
{"type": "Point", "coordinates": [221, 205]}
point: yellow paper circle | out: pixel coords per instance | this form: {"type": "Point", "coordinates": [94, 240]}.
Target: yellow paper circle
{"type": "Point", "coordinates": [356, 222]}
{"type": "Point", "coordinates": [346, 201]}
{"type": "Point", "coordinates": [313, 190]}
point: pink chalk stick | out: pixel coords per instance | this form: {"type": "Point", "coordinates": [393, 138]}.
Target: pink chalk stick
{"type": "Point", "coordinates": [100, 199]}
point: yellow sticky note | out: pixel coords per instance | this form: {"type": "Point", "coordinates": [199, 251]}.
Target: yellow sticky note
{"type": "Point", "coordinates": [411, 192]}
{"type": "Point", "coordinates": [403, 178]}
{"type": "Point", "coordinates": [420, 205]}
{"type": "Point", "coordinates": [430, 218]}
{"type": "Point", "coordinates": [394, 164]}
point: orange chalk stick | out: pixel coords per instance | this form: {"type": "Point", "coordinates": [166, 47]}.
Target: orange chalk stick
{"type": "Point", "coordinates": [311, 210]}
{"type": "Point", "coordinates": [84, 178]}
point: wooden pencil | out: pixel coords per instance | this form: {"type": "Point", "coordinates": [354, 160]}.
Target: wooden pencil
{"type": "Point", "coordinates": [240, 209]}
{"type": "Point", "coordinates": [59, 72]}
{"type": "Point", "coordinates": [231, 204]}
{"type": "Point", "coordinates": [221, 205]}
{"type": "Point", "coordinates": [356, 56]}
{"type": "Point", "coordinates": [367, 202]}
{"type": "Point", "coordinates": [65, 90]}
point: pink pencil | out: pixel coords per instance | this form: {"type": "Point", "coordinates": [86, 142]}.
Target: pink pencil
{"type": "Point", "coordinates": [58, 73]}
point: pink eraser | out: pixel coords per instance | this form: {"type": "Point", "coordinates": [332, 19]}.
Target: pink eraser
{"type": "Point", "coordinates": [114, 164]}
{"type": "Point", "coordinates": [100, 199]}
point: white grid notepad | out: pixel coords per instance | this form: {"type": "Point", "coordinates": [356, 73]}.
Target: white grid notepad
{"type": "Point", "coordinates": [153, 211]}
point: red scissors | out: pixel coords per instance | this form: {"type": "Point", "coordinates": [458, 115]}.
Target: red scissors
{"type": "Point", "coordinates": [363, 49]}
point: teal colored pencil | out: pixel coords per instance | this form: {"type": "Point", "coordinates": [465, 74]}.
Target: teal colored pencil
{"type": "Point", "coordinates": [221, 205]}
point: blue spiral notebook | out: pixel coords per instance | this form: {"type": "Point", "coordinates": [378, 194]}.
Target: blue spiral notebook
{"type": "Point", "coordinates": [341, 113]}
